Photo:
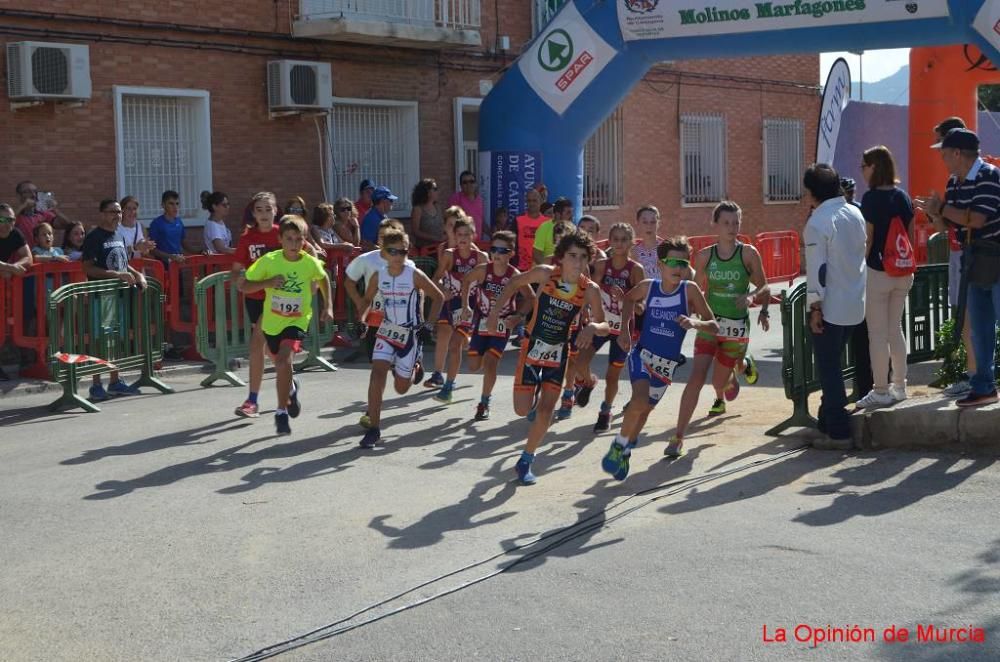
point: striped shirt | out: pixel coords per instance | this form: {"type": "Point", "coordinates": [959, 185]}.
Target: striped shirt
{"type": "Point", "coordinates": [979, 192]}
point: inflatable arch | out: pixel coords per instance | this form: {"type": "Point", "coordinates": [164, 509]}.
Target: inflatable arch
{"type": "Point", "coordinates": [536, 120]}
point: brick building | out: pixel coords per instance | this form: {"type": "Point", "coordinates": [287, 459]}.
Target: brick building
{"type": "Point", "coordinates": [180, 100]}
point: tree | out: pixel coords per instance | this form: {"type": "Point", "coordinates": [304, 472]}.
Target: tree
{"type": "Point", "coordinates": [989, 97]}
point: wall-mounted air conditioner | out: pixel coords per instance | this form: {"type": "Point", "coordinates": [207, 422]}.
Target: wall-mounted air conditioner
{"type": "Point", "coordinates": [39, 70]}
{"type": "Point", "coordinates": [298, 85]}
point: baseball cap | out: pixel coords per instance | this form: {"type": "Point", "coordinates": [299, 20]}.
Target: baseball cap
{"type": "Point", "coordinates": [366, 183]}
{"type": "Point", "coordinates": [847, 183]}
{"type": "Point", "coordinates": [959, 139]}
{"type": "Point", "coordinates": [383, 193]}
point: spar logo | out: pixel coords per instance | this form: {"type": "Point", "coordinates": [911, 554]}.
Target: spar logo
{"type": "Point", "coordinates": [641, 6]}
{"type": "Point", "coordinates": [556, 54]}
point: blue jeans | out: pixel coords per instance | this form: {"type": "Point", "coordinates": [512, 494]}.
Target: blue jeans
{"type": "Point", "coordinates": [828, 347]}
{"type": "Point", "coordinates": [983, 304]}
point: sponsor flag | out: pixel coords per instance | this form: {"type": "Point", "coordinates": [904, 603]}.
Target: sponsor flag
{"type": "Point", "coordinates": [836, 95]}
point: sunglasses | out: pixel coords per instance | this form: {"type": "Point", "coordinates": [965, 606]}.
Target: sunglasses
{"type": "Point", "coordinates": [500, 250]}
{"type": "Point", "coordinates": [296, 210]}
{"type": "Point", "coordinates": [6, 219]}
{"type": "Point", "coordinates": [396, 252]}
{"type": "Point", "coordinates": [675, 262]}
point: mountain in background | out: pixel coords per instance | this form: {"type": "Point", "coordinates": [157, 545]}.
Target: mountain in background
{"type": "Point", "coordinates": [895, 89]}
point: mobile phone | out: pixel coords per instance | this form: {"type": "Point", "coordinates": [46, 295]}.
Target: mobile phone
{"type": "Point", "coordinates": [43, 201]}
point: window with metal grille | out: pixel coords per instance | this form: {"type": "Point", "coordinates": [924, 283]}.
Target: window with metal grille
{"type": "Point", "coordinates": [782, 160]}
{"type": "Point", "coordinates": [164, 143]}
{"type": "Point", "coordinates": [376, 140]}
{"type": "Point", "coordinates": [703, 158]}
{"type": "Point", "coordinates": [545, 10]}
{"type": "Point", "coordinates": [603, 164]}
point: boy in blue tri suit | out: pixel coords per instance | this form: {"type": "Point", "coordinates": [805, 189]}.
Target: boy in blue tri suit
{"type": "Point", "coordinates": [669, 301]}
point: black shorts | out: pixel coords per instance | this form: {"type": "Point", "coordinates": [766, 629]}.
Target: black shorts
{"type": "Point", "coordinates": [290, 335]}
{"type": "Point", "coordinates": [255, 308]}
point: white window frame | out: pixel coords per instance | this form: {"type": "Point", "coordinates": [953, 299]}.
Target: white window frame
{"type": "Point", "coordinates": [794, 170]}
{"type": "Point", "coordinates": [720, 158]}
{"type": "Point", "coordinates": [203, 146]}
{"type": "Point", "coordinates": [411, 130]}
{"type": "Point", "coordinates": [463, 104]}
{"type": "Point", "coordinates": [613, 128]}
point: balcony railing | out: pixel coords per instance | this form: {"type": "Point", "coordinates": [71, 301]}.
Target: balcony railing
{"type": "Point", "coordinates": [447, 14]}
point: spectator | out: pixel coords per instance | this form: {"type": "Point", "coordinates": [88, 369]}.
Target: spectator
{"type": "Point", "coordinates": [468, 198]}
{"type": "Point", "coordinates": [44, 251]}
{"type": "Point", "coordinates": [295, 206]}
{"type": "Point", "coordinates": [321, 229]}
{"type": "Point", "coordinates": [345, 222]}
{"type": "Point", "coordinates": [972, 203]}
{"type": "Point", "coordinates": [548, 210]}
{"type": "Point", "coordinates": [364, 201]}
{"type": "Point", "coordinates": [426, 222]}
{"type": "Point", "coordinates": [501, 220]}
{"type": "Point", "coordinates": [835, 259]}
{"type": "Point", "coordinates": [526, 226]}
{"type": "Point", "coordinates": [888, 211]}
{"type": "Point", "coordinates": [131, 229]}
{"type": "Point", "coordinates": [105, 257]}
{"type": "Point", "coordinates": [168, 231]}
{"type": "Point", "coordinates": [218, 238]}
{"type": "Point", "coordinates": [31, 211]}
{"type": "Point", "coordinates": [73, 241]}
{"type": "Point", "coordinates": [592, 226]}
{"type": "Point", "coordinates": [382, 199]}
{"type": "Point", "coordinates": [545, 242]}
{"type": "Point", "coordinates": [15, 256]}
{"type": "Point", "coordinates": [848, 185]}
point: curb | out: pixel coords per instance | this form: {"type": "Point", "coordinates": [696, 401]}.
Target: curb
{"type": "Point", "coordinates": [927, 422]}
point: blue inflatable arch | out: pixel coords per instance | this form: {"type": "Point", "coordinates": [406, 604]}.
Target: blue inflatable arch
{"type": "Point", "coordinates": [536, 120]}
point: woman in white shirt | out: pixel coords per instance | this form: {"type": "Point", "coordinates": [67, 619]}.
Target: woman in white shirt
{"type": "Point", "coordinates": [218, 238]}
{"type": "Point", "coordinates": [131, 231]}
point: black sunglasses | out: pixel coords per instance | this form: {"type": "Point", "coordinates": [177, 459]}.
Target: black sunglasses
{"type": "Point", "coordinates": [501, 250]}
{"type": "Point", "coordinates": [396, 252]}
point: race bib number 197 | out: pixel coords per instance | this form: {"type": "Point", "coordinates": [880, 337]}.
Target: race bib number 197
{"type": "Point", "coordinates": [731, 329]}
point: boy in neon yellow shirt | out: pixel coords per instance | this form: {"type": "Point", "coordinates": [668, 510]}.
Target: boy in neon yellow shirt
{"type": "Point", "coordinates": [287, 277]}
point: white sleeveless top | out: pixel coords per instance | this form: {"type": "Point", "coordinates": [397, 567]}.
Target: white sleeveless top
{"type": "Point", "coordinates": [399, 296]}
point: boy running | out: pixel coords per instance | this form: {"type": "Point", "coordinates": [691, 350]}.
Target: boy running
{"type": "Point", "coordinates": [489, 281]}
{"type": "Point", "coordinates": [670, 301]}
{"type": "Point", "coordinates": [725, 272]}
{"type": "Point", "coordinates": [563, 292]}
{"type": "Point", "coordinates": [397, 346]}
{"type": "Point", "coordinates": [616, 276]}
{"type": "Point", "coordinates": [287, 277]}
{"type": "Point", "coordinates": [453, 333]}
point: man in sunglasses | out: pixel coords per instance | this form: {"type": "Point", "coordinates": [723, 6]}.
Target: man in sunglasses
{"type": "Point", "coordinates": [468, 198]}
{"type": "Point", "coordinates": [15, 256]}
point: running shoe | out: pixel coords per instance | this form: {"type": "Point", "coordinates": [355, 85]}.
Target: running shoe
{"type": "Point", "coordinates": [532, 414]}
{"type": "Point", "coordinates": [365, 421]}
{"type": "Point", "coordinates": [898, 393]}
{"type": "Point", "coordinates": [294, 406]}
{"type": "Point", "coordinates": [281, 424]}
{"type": "Point", "coordinates": [372, 437]}
{"type": "Point", "coordinates": [482, 411]}
{"type": "Point", "coordinates": [248, 410]}
{"type": "Point", "coordinates": [565, 409]}
{"type": "Point", "coordinates": [418, 372]}
{"type": "Point", "coordinates": [603, 423]}
{"type": "Point", "coordinates": [732, 390]}
{"type": "Point", "coordinates": [718, 407]}
{"type": "Point", "coordinates": [444, 395]}
{"type": "Point", "coordinates": [977, 400]}
{"type": "Point", "coordinates": [675, 448]}
{"type": "Point", "coordinates": [611, 464]}
{"type": "Point", "coordinates": [121, 388]}
{"type": "Point", "coordinates": [874, 399]}
{"type": "Point", "coordinates": [583, 393]}
{"type": "Point", "coordinates": [523, 468]}
{"type": "Point", "coordinates": [98, 394]}
{"type": "Point", "coordinates": [622, 472]}
{"type": "Point", "coordinates": [750, 371]}
{"type": "Point", "coordinates": [436, 381]}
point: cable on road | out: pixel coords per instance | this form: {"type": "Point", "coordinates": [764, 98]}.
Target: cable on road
{"type": "Point", "coordinates": [589, 524]}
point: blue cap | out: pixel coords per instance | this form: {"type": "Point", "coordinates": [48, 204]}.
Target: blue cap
{"type": "Point", "coordinates": [366, 183]}
{"type": "Point", "coordinates": [383, 193]}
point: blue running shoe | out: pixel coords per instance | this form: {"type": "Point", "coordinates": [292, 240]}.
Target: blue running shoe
{"type": "Point", "coordinates": [622, 472]}
{"type": "Point", "coordinates": [121, 388]}
{"type": "Point", "coordinates": [566, 408]}
{"type": "Point", "coordinates": [612, 462]}
{"type": "Point", "coordinates": [523, 468]}
{"type": "Point", "coordinates": [281, 424]}
{"type": "Point", "coordinates": [372, 437]}
{"type": "Point", "coordinates": [532, 414]}
{"type": "Point", "coordinates": [294, 406]}
{"type": "Point", "coordinates": [98, 394]}
{"type": "Point", "coordinates": [436, 381]}
{"type": "Point", "coordinates": [444, 395]}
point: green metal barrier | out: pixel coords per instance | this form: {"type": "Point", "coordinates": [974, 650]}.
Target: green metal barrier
{"type": "Point", "coordinates": [110, 320]}
{"type": "Point", "coordinates": [926, 310]}
{"type": "Point", "coordinates": [223, 331]}
{"type": "Point", "coordinates": [938, 249]}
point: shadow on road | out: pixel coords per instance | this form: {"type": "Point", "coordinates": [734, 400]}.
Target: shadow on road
{"type": "Point", "coordinates": [195, 436]}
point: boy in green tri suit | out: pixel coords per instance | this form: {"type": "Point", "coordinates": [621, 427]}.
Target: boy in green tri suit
{"type": "Point", "coordinates": [287, 278]}
{"type": "Point", "coordinates": [725, 272]}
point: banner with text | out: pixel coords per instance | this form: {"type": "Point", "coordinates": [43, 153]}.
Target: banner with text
{"type": "Point", "coordinates": [511, 174]}
{"type": "Point", "coordinates": [836, 96]}
{"type": "Point", "coordinates": [565, 59]}
{"type": "Point", "coordinates": [658, 19]}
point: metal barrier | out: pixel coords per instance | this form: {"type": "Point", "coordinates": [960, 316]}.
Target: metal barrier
{"type": "Point", "coordinates": [926, 311]}
{"type": "Point", "coordinates": [106, 319]}
{"type": "Point", "coordinates": [780, 254]}
{"type": "Point", "coordinates": [29, 296]}
{"type": "Point", "coordinates": [182, 309]}
{"type": "Point", "coordinates": [337, 260]}
{"type": "Point", "coordinates": [938, 248]}
{"type": "Point", "coordinates": [4, 309]}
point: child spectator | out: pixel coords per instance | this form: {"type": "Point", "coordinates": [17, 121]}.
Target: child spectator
{"type": "Point", "coordinates": [73, 241]}
{"type": "Point", "coordinates": [218, 238]}
{"type": "Point", "coordinates": [131, 229]}
{"type": "Point", "coordinates": [501, 220]}
{"type": "Point", "coordinates": [168, 231]}
{"type": "Point", "coordinates": [44, 251]}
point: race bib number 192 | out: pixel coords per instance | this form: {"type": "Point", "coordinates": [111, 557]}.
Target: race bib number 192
{"type": "Point", "coordinates": [286, 306]}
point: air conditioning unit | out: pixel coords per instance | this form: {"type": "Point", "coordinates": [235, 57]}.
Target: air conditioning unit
{"type": "Point", "coordinates": [297, 85]}
{"type": "Point", "coordinates": [39, 70]}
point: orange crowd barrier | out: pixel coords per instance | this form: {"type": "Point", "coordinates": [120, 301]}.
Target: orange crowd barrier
{"type": "Point", "coordinates": [29, 302]}
{"type": "Point", "coordinates": [182, 310]}
{"type": "Point", "coordinates": [701, 241]}
{"type": "Point", "coordinates": [922, 231]}
{"type": "Point", "coordinates": [4, 309]}
{"type": "Point", "coordinates": [337, 259]}
{"type": "Point", "coordinates": [780, 254]}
